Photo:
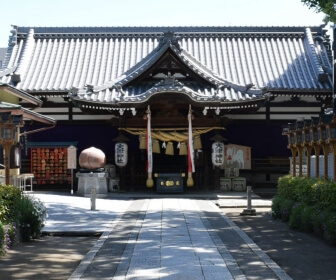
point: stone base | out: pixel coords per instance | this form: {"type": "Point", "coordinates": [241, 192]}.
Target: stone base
{"type": "Point", "coordinates": [87, 181]}
{"type": "Point", "coordinates": [248, 212]}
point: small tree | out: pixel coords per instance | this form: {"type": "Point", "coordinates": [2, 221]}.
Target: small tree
{"type": "Point", "coordinates": [325, 6]}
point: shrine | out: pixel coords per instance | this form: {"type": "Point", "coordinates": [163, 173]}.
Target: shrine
{"type": "Point", "coordinates": [193, 108]}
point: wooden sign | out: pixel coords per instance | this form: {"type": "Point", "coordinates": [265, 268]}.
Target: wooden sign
{"type": "Point", "coordinates": [237, 156]}
{"type": "Point", "coordinates": [72, 157]}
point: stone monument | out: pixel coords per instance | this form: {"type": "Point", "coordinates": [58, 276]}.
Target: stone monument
{"type": "Point", "coordinates": [92, 173]}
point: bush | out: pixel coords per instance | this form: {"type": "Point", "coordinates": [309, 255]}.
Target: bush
{"type": "Point", "coordinates": [295, 219]}
{"type": "Point", "coordinates": [318, 192]}
{"type": "Point", "coordinates": [307, 204]}
{"type": "Point", "coordinates": [317, 219]}
{"type": "Point", "coordinates": [27, 212]}
{"type": "Point", "coordinates": [301, 217]}
{"type": "Point", "coordinates": [324, 195]}
{"type": "Point", "coordinates": [282, 208]}
{"type": "Point", "coordinates": [9, 196]}
{"type": "Point", "coordinates": [7, 237]}
{"type": "Point", "coordinates": [329, 227]}
{"type": "Point", "coordinates": [32, 217]}
{"type": "Point", "coordinates": [307, 218]}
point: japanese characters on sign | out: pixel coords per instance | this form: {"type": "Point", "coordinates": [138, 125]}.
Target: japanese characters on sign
{"type": "Point", "coordinates": [72, 157]}
{"type": "Point", "coordinates": [121, 154]}
{"type": "Point", "coordinates": [218, 153]}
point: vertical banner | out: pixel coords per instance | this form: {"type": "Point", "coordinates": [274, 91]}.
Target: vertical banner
{"type": "Point", "coordinates": [191, 164]}
{"type": "Point", "coordinates": [149, 164]}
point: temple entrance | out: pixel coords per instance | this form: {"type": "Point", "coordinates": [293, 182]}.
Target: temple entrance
{"type": "Point", "coordinates": [169, 132]}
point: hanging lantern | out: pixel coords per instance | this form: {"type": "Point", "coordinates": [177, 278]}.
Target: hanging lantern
{"type": "Point", "coordinates": [142, 140]}
{"type": "Point", "coordinates": [170, 149]}
{"type": "Point", "coordinates": [121, 154]}
{"type": "Point", "coordinates": [156, 146]}
{"type": "Point", "coordinates": [183, 149]}
{"type": "Point", "coordinates": [217, 155]}
{"type": "Point", "coordinates": [197, 142]}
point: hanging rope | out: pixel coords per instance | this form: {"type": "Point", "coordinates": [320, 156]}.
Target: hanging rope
{"type": "Point", "coordinates": [166, 135]}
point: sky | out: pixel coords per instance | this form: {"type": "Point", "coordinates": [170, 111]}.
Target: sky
{"type": "Point", "coordinates": [63, 13]}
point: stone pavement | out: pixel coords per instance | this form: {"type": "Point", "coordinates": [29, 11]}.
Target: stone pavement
{"type": "Point", "coordinates": [160, 237]}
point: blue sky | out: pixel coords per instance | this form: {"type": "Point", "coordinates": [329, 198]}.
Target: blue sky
{"type": "Point", "coordinates": [154, 13]}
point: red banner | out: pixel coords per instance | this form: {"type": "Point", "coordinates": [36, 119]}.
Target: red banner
{"type": "Point", "coordinates": [191, 165]}
{"type": "Point", "coordinates": [149, 165]}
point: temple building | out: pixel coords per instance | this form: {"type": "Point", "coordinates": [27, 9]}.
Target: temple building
{"type": "Point", "coordinates": [240, 85]}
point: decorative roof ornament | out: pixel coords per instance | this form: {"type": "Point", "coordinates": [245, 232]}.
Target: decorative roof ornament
{"type": "Point", "coordinates": [169, 38]}
{"type": "Point", "coordinates": [118, 88]}
{"type": "Point", "coordinates": [74, 91]}
{"type": "Point", "coordinates": [89, 88]}
{"type": "Point", "coordinates": [13, 38]}
{"type": "Point", "coordinates": [169, 80]}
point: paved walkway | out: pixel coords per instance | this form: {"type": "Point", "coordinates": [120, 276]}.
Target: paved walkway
{"type": "Point", "coordinates": [159, 237]}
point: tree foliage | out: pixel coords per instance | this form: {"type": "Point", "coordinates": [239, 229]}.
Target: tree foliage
{"type": "Point", "coordinates": [325, 6]}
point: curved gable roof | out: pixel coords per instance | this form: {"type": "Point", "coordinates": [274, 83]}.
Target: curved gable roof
{"type": "Point", "coordinates": [215, 90]}
{"type": "Point", "coordinates": [286, 59]}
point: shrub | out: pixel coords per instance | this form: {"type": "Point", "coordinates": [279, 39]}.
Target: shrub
{"type": "Point", "coordinates": [286, 209]}
{"type": "Point", "coordinates": [313, 204]}
{"type": "Point", "coordinates": [286, 186]}
{"type": "Point", "coordinates": [307, 218]}
{"type": "Point", "coordinates": [317, 219]}
{"type": "Point", "coordinates": [27, 212]}
{"type": "Point", "coordinates": [282, 207]}
{"type": "Point", "coordinates": [7, 237]}
{"type": "Point", "coordinates": [276, 209]}
{"type": "Point", "coordinates": [32, 217]}
{"type": "Point", "coordinates": [301, 217]}
{"type": "Point", "coordinates": [295, 219]}
{"type": "Point", "coordinates": [329, 227]}
{"type": "Point", "coordinates": [9, 196]}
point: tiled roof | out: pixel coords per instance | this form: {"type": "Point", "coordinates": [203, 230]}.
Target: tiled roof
{"type": "Point", "coordinates": [21, 94]}
{"type": "Point", "coordinates": [48, 59]}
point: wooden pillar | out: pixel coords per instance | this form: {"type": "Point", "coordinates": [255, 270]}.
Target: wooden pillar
{"type": "Point", "coordinates": [317, 154]}
{"type": "Point", "coordinates": [7, 147]}
{"type": "Point", "coordinates": [309, 149]}
{"type": "Point", "coordinates": [300, 151]}
{"type": "Point", "coordinates": [293, 160]}
{"type": "Point", "coordinates": [325, 148]}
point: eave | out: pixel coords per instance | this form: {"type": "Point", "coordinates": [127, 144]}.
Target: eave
{"type": "Point", "coordinates": [8, 89]}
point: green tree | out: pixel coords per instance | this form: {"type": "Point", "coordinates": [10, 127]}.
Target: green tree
{"type": "Point", "coordinates": [325, 6]}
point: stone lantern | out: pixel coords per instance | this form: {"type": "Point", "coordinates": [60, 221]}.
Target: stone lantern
{"type": "Point", "coordinates": [9, 125]}
{"type": "Point", "coordinates": [331, 132]}
{"type": "Point", "coordinates": [323, 132]}
{"type": "Point", "coordinates": [306, 144]}
{"type": "Point", "coordinates": [292, 146]}
{"type": "Point", "coordinates": [314, 142]}
{"type": "Point", "coordinates": [298, 134]}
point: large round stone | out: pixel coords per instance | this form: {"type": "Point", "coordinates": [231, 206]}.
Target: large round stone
{"type": "Point", "coordinates": [92, 158]}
